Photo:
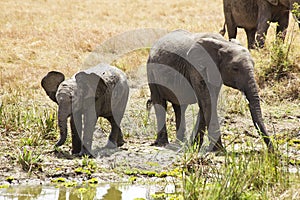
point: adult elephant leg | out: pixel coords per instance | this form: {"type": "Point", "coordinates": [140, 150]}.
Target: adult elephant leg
{"type": "Point", "coordinates": [264, 17]}
{"type": "Point", "coordinates": [76, 129]}
{"type": "Point", "coordinates": [229, 20]}
{"type": "Point", "coordinates": [232, 30]}
{"type": "Point", "coordinates": [251, 37]}
{"type": "Point", "coordinates": [283, 23]}
{"type": "Point", "coordinates": [90, 119]}
{"type": "Point", "coordinates": [180, 121]}
{"type": "Point", "coordinates": [115, 138]}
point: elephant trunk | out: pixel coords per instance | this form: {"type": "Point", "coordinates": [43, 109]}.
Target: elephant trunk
{"type": "Point", "coordinates": [252, 96]}
{"type": "Point", "coordinates": [62, 124]}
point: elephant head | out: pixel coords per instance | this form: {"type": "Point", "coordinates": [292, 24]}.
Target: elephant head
{"type": "Point", "coordinates": [293, 5]}
{"type": "Point", "coordinates": [68, 97]}
{"type": "Point", "coordinates": [234, 64]}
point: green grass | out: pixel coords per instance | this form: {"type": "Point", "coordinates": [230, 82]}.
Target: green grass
{"type": "Point", "coordinates": [29, 160]}
{"type": "Point", "coordinates": [242, 175]}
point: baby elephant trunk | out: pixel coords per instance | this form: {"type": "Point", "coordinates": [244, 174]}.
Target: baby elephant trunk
{"type": "Point", "coordinates": [255, 109]}
{"type": "Point", "coordinates": [62, 124]}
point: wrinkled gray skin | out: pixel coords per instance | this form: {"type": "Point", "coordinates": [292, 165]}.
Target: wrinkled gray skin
{"type": "Point", "coordinates": [89, 94]}
{"type": "Point", "coordinates": [185, 68]}
{"type": "Point", "coordinates": [254, 16]}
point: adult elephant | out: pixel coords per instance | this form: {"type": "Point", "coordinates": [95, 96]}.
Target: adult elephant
{"type": "Point", "coordinates": [185, 68]}
{"type": "Point", "coordinates": [99, 91]}
{"type": "Point", "coordinates": [254, 16]}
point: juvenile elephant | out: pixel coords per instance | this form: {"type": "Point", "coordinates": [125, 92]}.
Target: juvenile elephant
{"type": "Point", "coordinates": [254, 16]}
{"type": "Point", "coordinates": [89, 94]}
{"type": "Point", "coordinates": [185, 68]}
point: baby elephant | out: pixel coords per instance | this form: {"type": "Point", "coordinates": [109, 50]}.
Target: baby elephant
{"type": "Point", "coordinates": [186, 68]}
{"type": "Point", "coordinates": [89, 94]}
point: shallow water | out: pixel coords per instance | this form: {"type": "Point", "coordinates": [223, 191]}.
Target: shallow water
{"type": "Point", "coordinates": [101, 192]}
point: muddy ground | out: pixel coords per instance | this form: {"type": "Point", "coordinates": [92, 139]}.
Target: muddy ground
{"type": "Point", "coordinates": [137, 158]}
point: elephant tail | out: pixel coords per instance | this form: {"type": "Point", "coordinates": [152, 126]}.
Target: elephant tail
{"type": "Point", "coordinates": [223, 30]}
{"type": "Point", "coordinates": [149, 104]}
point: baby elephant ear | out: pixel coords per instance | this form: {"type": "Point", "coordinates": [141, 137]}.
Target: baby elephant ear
{"type": "Point", "coordinates": [203, 55]}
{"type": "Point", "coordinates": [51, 82]}
{"type": "Point", "coordinates": [91, 84]}
{"type": "Point", "coordinates": [273, 2]}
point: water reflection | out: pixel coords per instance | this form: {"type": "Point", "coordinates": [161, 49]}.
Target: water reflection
{"type": "Point", "coordinates": [113, 193]}
{"type": "Point", "coordinates": [101, 192]}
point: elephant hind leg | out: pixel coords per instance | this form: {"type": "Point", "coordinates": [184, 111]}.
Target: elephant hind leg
{"type": "Point", "coordinates": [283, 23]}
{"type": "Point", "coordinates": [115, 138]}
{"type": "Point", "coordinates": [180, 121]}
{"type": "Point", "coordinates": [160, 106]}
{"type": "Point", "coordinates": [251, 37]}
{"type": "Point", "coordinates": [162, 135]}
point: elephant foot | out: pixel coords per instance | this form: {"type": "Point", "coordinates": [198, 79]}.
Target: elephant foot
{"type": "Point", "coordinates": [160, 143]}
{"type": "Point", "coordinates": [216, 148]}
{"type": "Point", "coordinates": [161, 140]}
{"type": "Point", "coordinates": [181, 139]}
{"type": "Point", "coordinates": [111, 145]}
{"type": "Point", "coordinates": [120, 142]}
{"type": "Point", "coordinates": [75, 151]}
{"type": "Point", "coordinates": [85, 152]}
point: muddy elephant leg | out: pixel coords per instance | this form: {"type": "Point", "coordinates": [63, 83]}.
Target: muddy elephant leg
{"type": "Point", "coordinates": [251, 37]}
{"type": "Point", "coordinates": [160, 112]}
{"type": "Point", "coordinates": [283, 23]}
{"type": "Point", "coordinates": [208, 99]}
{"type": "Point", "coordinates": [115, 138]}
{"type": "Point", "coordinates": [90, 119]}
{"type": "Point", "coordinates": [160, 106]}
{"type": "Point", "coordinates": [199, 129]}
{"type": "Point", "coordinates": [76, 129]}
{"type": "Point", "coordinates": [180, 121]}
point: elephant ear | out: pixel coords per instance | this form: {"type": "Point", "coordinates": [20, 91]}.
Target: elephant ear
{"type": "Point", "coordinates": [91, 84]}
{"type": "Point", "coordinates": [51, 82]}
{"type": "Point", "coordinates": [273, 2]}
{"type": "Point", "coordinates": [203, 54]}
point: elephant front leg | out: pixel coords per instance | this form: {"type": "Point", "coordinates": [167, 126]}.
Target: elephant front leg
{"type": "Point", "coordinates": [208, 101]}
{"type": "Point", "coordinates": [199, 129]}
{"type": "Point", "coordinates": [115, 137]}
{"type": "Point", "coordinates": [76, 128]}
{"type": "Point", "coordinates": [90, 120]}
{"type": "Point", "coordinates": [180, 121]}
{"type": "Point", "coordinates": [160, 111]}
{"type": "Point", "coordinates": [231, 26]}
